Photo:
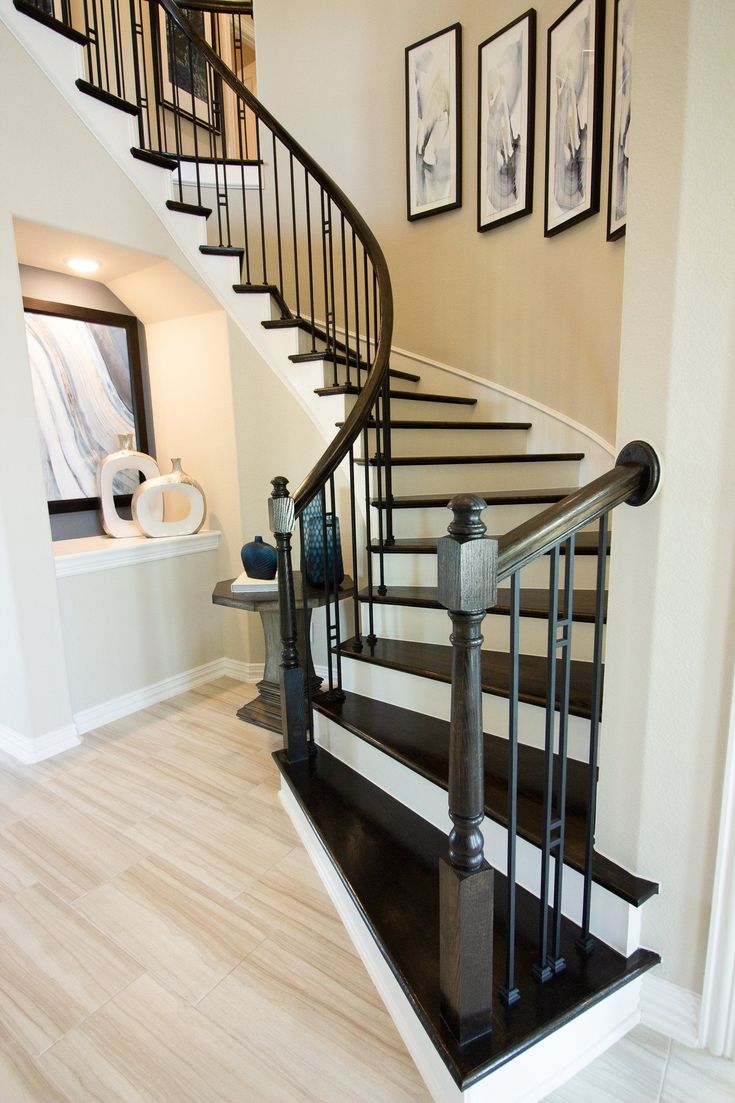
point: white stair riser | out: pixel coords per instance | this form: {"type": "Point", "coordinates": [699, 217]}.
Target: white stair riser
{"type": "Point", "coordinates": [403, 409]}
{"type": "Point", "coordinates": [613, 920]}
{"type": "Point", "coordinates": [433, 521]}
{"type": "Point", "coordinates": [402, 622]}
{"type": "Point", "coordinates": [453, 478]}
{"type": "Point", "coordinates": [450, 442]}
{"type": "Point", "coordinates": [411, 691]}
{"type": "Point", "coordinates": [421, 570]}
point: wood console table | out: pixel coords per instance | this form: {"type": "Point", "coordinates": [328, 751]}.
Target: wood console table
{"type": "Point", "coordinates": [265, 710]}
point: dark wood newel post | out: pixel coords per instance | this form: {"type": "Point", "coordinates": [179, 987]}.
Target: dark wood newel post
{"type": "Point", "coordinates": [282, 519]}
{"type": "Point", "coordinates": [467, 566]}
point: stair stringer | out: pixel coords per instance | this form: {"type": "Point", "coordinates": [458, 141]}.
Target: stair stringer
{"type": "Point", "coordinates": [62, 62]}
{"type": "Point", "coordinates": [531, 1074]}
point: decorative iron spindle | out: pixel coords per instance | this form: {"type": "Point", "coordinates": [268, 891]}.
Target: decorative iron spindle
{"type": "Point", "coordinates": [509, 992]}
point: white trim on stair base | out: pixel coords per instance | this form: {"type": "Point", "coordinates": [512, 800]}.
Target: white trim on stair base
{"type": "Point", "coordinates": [529, 1077]}
{"type": "Point", "coordinates": [671, 1010]}
{"type": "Point", "coordinates": [28, 750]}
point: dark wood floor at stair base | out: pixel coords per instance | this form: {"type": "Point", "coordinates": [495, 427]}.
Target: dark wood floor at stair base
{"type": "Point", "coordinates": [429, 660]}
{"type": "Point", "coordinates": [387, 857]}
{"type": "Point", "coordinates": [534, 601]}
{"type": "Point", "coordinates": [422, 744]}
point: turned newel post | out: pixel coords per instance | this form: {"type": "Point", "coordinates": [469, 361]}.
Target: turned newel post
{"type": "Point", "coordinates": [293, 702]}
{"type": "Point", "coordinates": [467, 565]}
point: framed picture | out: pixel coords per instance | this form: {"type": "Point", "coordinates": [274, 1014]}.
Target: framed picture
{"type": "Point", "coordinates": [505, 123]}
{"type": "Point", "coordinates": [434, 123]}
{"type": "Point", "coordinates": [85, 368]}
{"type": "Point", "coordinates": [574, 115]}
{"type": "Point", "coordinates": [617, 195]}
{"type": "Point", "coordinates": [183, 77]}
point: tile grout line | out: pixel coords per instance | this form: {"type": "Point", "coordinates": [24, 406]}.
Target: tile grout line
{"type": "Point", "coordinates": [664, 1071]}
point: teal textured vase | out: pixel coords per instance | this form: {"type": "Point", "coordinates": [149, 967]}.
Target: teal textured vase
{"type": "Point", "coordinates": [259, 559]}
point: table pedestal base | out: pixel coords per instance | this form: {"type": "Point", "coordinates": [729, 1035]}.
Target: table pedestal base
{"type": "Point", "coordinates": [265, 710]}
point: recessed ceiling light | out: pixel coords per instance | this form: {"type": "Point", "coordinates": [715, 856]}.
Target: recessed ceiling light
{"type": "Point", "coordinates": [83, 265]}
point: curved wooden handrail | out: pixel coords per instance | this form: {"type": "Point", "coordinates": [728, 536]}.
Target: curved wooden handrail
{"type": "Point", "coordinates": [358, 417]}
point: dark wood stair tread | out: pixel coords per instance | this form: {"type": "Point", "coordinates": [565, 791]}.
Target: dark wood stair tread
{"type": "Point", "coordinates": [222, 251]}
{"type": "Point", "coordinates": [51, 22]}
{"type": "Point", "coordinates": [328, 357]}
{"type": "Point", "coordinates": [586, 543]}
{"type": "Point", "coordinates": [485, 426]}
{"type": "Point", "coordinates": [107, 97]}
{"type": "Point", "coordinates": [151, 157]}
{"type": "Point", "coordinates": [492, 497]}
{"type": "Point", "coordinates": [388, 859]}
{"type": "Point", "coordinates": [448, 461]}
{"type": "Point", "coordinates": [412, 396]}
{"type": "Point", "coordinates": [188, 208]}
{"type": "Point", "coordinates": [422, 744]}
{"type": "Point", "coordinates": [534, 601]}
{"type": "Point", "coordinates": [431, 660]}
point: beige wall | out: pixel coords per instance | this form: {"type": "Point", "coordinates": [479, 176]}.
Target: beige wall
{"type": "Point", "coordinates": [671, 633]}
{"type": "Point", "coordinates": [117, 643]}
{"type": "Point", "coordinates": [540, 316]}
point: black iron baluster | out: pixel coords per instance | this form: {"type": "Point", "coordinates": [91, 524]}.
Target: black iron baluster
{"type": "Point", "coordinates": [333, 297]}
{"type": "Point", "coordinates": [117, 48]}
{"type": "Point", "coordinates": [141, 98]}
{"type": "Point", "coordinates": [278, 216]}
{"type": "Point", "coordinates": [259, 155]}
{"type": "Point", "coordinates": [357, 309]}
{"type": "Point", "coordinates": [509, 992]}
{"type": "Point", "coordinates": [353, 532]}
{"type": "Point", "coordinates": [346, 306]}
{"type": "Point", "coordinates": [543, 970]}
{"type": "Point", "coordinates": [329, 309]}
{"type": "Point", "coordinates": [337, 693]}
{"type": "Point", "coordinates": [379, 423]}
{"type": "Point", "coordinates": [371, 637]}
{"type": "Point", "coordinates": [311, 261]}
{"type": "Point", "coordinates": [564, 643]}
{"type": "Point", "coordinates": [467, 576]}
{"type": "Point", "coordinates": [295, 237]}
{"type": "Point", "coordinates": [586, 942]}
{"type": "Point", "coordinates": [195, 131]}
{"type": "Point", "coordinates": [306, 626]}
{"type": "Point", "coordinates": [326, 585]}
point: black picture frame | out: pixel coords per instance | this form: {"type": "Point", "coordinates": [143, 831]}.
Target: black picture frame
{"type": "Point", "coordinates": [129, 324]}
{"type": "Point", "coordinates": [526, 119]}
{"type": "Point", "coordinates": [616, 225]}
{"type": "Point", "coordinates": [415, 209]}
{"type": "Point", "coordinates": [588, 186]}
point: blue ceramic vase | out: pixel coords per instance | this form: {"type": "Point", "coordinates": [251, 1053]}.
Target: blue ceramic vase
{"type": "Point", "coordinates": [259, 560]}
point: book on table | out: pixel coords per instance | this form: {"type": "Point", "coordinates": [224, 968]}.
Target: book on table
{"type": "Point", "coordinates": [243, 584]}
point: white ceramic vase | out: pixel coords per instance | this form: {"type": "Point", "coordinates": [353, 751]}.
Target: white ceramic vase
{"type": "Point", "coordinates": [149, 493]}
{"type": "Point", "coordinates": [125, 459]}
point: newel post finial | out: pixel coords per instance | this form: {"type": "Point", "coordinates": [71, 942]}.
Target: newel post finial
{"type": "Point", "coordinates": [467, 567]}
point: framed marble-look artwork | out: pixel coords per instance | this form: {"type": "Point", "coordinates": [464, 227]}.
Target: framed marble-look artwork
{"type": "Point", "coordinates": [622, 69]}
{"type": "Point", "coordinates": [434, 123]}
{"type": "Point", "coordinates": [574, 115]}
{"type": "Point", "coordinates": [88, 390]}
{"type": "Point", "coordinates": [185, 83]}
{"type": "Point", "coordinates": [505, 123]}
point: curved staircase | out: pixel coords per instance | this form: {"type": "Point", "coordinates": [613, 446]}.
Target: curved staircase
{"type": "Point", "coordinates": [497, 995]}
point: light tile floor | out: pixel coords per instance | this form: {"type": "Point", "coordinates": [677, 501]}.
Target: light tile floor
{"type": "Point", "coordinates": [164, 938]}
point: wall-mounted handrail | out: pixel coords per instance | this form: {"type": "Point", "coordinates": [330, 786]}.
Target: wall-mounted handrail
{"type": "Point", "coordinates": [337, 450]}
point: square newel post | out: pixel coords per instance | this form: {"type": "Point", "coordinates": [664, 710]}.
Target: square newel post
{"type": "Point", "coordinates": [467, 566]}
{"type": "Point", "coordinates": [281, 514]}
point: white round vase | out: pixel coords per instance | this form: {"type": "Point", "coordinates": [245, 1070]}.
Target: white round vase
{"type": "Point", "coordinates": [150, 493]}
{"type": "Point", "coordinates": [125, 459]}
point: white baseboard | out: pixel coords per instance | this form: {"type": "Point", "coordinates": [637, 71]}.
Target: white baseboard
{"type": "Point", "coordinates": [528, 1078]}
{"type": "Point", "coordinates": [114, 709]}
{"type": "Point", "coordinates": [671, 1010]}
{"type": "Point", "coordinates": [29, 750]}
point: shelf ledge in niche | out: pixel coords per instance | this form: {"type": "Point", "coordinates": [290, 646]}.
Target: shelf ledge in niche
{"type": "Point", "coordinates": [105, 553]}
